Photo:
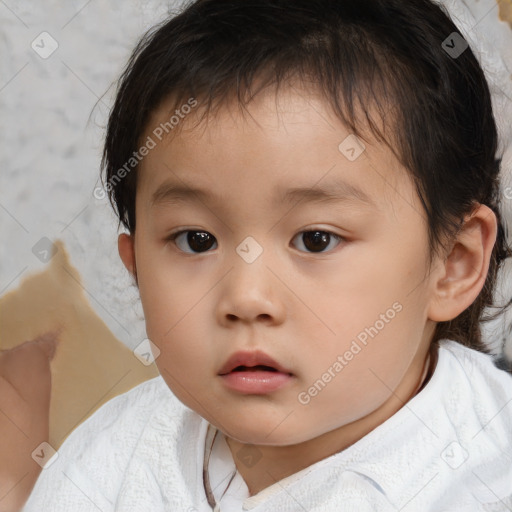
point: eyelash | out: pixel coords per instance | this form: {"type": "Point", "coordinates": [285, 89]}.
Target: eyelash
{"type": "Point", "coordinates": [172, 237]}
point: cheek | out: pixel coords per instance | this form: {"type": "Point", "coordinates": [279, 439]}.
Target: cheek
{"type": "Point", "coordinates": [166, 295]}
{"type": "Point", "coordinates": [351, 379]}
{"type": "Point", "coordinates": [157, 304]}
{"type": "Point", "coordinates": [374, 321]}
{"type": "Point", "coordinates": [375, 278]}
{"type": "Point", "coordinates": [174, 314]}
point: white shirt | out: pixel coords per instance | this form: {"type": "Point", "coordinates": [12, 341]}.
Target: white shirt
{"type": "Point", "coordinates": [448, 449]}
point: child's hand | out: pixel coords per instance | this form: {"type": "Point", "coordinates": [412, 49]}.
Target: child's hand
{"type": "Point", "coordinates": [25, 385]}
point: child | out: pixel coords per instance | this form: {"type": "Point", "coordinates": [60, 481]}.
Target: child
{"type": "Point", "coordinates": [311, 194]}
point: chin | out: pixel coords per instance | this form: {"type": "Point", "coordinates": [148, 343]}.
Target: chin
{"type": "Point", "coordinates": [265, 434]}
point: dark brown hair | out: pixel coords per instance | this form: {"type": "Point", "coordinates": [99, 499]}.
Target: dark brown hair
{"type": "Point", "coordinates": [362, 55]}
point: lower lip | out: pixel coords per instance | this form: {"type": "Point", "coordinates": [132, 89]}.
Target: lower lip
{"type": "Point", "coordinates": [256, 382]}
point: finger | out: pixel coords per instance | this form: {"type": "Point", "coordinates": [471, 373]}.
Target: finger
{"type": "Point", "coordinates": [27, 368]}
{"type": "Point", "coordinates": [46, 342]}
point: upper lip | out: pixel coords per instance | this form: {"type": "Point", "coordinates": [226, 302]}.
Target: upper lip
{"type": "Point", "coordinates": [256, 358]}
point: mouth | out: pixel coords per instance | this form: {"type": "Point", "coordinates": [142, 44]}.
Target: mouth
{"type": "Point", "coordinates": [254, 373]}
{"type": "Point", "coordinates": [252, 362]}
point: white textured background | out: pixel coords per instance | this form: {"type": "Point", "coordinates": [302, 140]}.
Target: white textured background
{"type": "Point", "coordinates": [51, 136]}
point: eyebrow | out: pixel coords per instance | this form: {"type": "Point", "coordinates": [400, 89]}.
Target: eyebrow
{"type": "Point", "coordinates": [339, 191]}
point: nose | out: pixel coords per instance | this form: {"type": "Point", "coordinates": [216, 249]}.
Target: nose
{"type": "Point", "coordinates": [251, 292]}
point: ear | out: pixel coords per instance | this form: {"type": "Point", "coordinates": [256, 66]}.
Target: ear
{"type": "Point", "coordinates": [464, 271]}
{"type": "Point", "coordinates": [126, 248]}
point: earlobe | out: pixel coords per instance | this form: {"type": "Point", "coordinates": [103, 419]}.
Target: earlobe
{"type": "Point", "coordinates": [126, 248]}
{"type": "Point", "coordinates": [465, 268]}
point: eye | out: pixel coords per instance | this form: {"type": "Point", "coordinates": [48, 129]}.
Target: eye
{"type": "Point", "coordinates": [317, 240]}
{"type": "Point", "coordinates": [199, 241]}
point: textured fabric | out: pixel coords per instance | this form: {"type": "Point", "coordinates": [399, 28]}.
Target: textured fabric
{"type": "Point", "coordinates": [448, 449]}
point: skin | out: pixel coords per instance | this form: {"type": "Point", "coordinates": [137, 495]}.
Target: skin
{"type": "Point", "coordinates": [25, 385]}
{"type": "Point", "coordinates": [303, 308]}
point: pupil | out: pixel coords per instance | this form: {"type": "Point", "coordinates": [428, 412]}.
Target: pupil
{"type": "Point", "coordinates": [316, 240]}
{"type": "Point", "coordinates": [198, 241]}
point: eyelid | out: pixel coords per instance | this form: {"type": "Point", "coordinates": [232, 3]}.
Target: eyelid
{"type": "Point", "coordinates": [174, 234]}
{"type": "Point", "coordinates": [319, 228]}
{"type": "Point", "coordinates": [323, 230]}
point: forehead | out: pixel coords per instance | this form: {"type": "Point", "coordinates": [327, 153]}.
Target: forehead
{"type": "Point", "coordinates": [290, 145]}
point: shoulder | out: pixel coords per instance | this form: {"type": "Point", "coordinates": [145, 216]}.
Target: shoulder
{"type": "Point", "coordinates": [124, 416]}
{"type": "Point", "coordinates": [477, 403]}
{"type": "Point", "coordinates": [90, 464]}
{"type": "Point", "coordinates": [476, 390]}
{"type": "Point", "coordinates": [146, 396]}
{"type": "Point", "coordinates": [488, 383]}
{"type": "Point", "coordinates": [120, 421]}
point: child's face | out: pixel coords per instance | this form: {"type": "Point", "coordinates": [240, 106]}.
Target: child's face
{"type": "Point", "coordinates": [349, 321]}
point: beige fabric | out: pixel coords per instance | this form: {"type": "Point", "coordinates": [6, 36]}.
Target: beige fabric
{"type": "Point", "coordinates": [505, 7]}
{"type": "Point", "coordinates": [90, 365]}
